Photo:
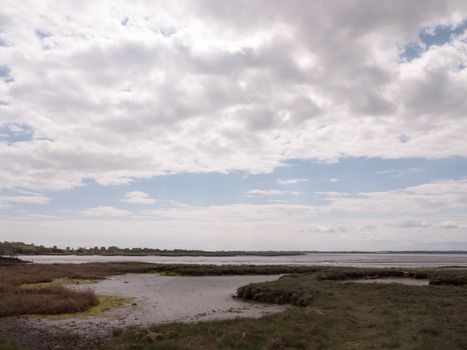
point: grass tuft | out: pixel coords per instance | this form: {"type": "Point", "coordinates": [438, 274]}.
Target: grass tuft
{"type": "Point", "coordinates": [104, 303]}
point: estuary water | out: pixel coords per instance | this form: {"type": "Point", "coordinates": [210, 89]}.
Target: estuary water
{"type": "Point", "coordinates": [311, 259]}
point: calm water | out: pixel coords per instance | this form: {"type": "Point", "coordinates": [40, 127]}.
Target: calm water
{"type": "Point", "coordinates": [320, 259]}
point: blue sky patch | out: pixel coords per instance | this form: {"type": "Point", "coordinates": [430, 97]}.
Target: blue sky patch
{"type": "Point", "coordinates": [5, 74]}
{"type": "Point", "coordinates": [15, 132]}
{"type": "Point", "coordinates": [42, 34]}
{"type": "Point", "coordinates": [351, 176]}
{"type": "Point", "coordinates": [428, 37]}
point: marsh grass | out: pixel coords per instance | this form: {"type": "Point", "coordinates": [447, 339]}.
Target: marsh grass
{"type": "Point", "coordinates": [329, 315]}
{"type": "Point", "coordinates": [104, 303]}
{"type": "Point", "coordinates": [27, 289]}
{"type": "Point", "coordinates": [216, 270]}
{"type": "Point", "coordinates": [337, 316]}
{"type": "Point", "coordinates": [48, 300]}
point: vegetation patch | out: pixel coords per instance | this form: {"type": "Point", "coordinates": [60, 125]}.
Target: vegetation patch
{"type": "Point", "coordinates": [339, 274]}
{"type": "Point", "coordinates": [8, 261]}
{"type": "Point", "coordinates": [48, 300]}
{"type": "Point", "coordinates": [216, 270]}
{"type": "Point", "coordinates": [105, 303]}
{"type": "Point", "coordinates": [454, 280]}
{"type": "Point", "coordinates": [38, 289]}
{"type": "Point", "coordinates": [330, 316]}
{"type": "Point", "coordinates": [58, 282]}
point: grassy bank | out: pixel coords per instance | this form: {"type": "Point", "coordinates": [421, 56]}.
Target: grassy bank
{"type": "Point", "coordinates": [331, 315]}
{"type": "Point", "coordinates": [327, 314]}
{"type": "Point", "coordinates": [104, 303]}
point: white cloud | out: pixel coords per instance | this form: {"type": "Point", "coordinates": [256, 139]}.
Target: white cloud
{"type": "Point", "coordinates": [270, 193]}
{"type": "Point", "coordinates": [105, 211]}
{"type": "Point", "coordinates": [399, 173]}
{"type": "Point", "coordinates": [331, 194]}
{"type": "Point", "coordinates": [325, 229]}
{"type": "Point", "coordinates": [286, 182]}
{"type": "Point", "coordinates": [449, 224]}
{"type": "Point", "coordinates": [214, 86]}
{"type": "Point", "coordinates": [25, 199]}
{"type": "Point", "coordinates": [138, 197]}
{"type": "Point", "coordinates": [185, 230]}
{"type": "Point", "coordinates": [410, 223]}
{"type": "Point", "coordinates": [235, 212]}
{"type": "Point", "coordinates": [118, 93]}
{"type": "Point", "coordinates": [431, 197]}
{"type": "Point", "coordinates": [384, 172]}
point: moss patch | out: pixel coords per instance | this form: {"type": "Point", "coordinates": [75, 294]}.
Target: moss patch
{"type": "Point", "coordinates": [106, 303]}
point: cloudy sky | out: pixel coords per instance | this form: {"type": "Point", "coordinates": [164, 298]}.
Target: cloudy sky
{"type": "Point", "coordinates": [324, 125]}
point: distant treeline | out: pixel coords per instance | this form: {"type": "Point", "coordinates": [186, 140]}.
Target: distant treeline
{"type": "Point", "coordinates": [20, 248]}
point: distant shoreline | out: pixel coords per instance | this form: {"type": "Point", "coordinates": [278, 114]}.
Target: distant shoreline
{"type": "Point", "coordinates": [251, 253]}
{"type": "Point", "coordinates": [30, 249]}
{"type": "Point", "coordinates": [193, 254]}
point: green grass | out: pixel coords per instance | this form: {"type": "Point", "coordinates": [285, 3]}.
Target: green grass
{"type": "Point", "coordinates": [328, 314]}
{"type": "Point", "coordinates": [337, 316]}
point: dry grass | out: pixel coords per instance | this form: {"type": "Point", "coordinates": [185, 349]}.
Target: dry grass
{"type": "Point", "coordinates": [17, 275]}
{"type": "Point", "coordinates": [49, 300]}
{"type": "Point", "coordinates": [105, 303]}
{"type": "Point", "coordinates": [53, 298]}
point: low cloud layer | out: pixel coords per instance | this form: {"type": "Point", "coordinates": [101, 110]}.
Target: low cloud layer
{"type": "Point", "coordinates": [431, 197]}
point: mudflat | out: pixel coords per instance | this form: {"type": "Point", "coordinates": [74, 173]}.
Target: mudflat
{"type": "Point", "coordinates": [163, 299]}
{"type": "Point", "coordinates": [152, 299]}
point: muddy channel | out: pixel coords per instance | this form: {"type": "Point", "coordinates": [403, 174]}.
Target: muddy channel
{"type": "Point", "coordinates": [152, 299]}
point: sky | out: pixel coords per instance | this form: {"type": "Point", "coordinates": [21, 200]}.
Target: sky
{"type": "Point", "coordinates": [225, 125]}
